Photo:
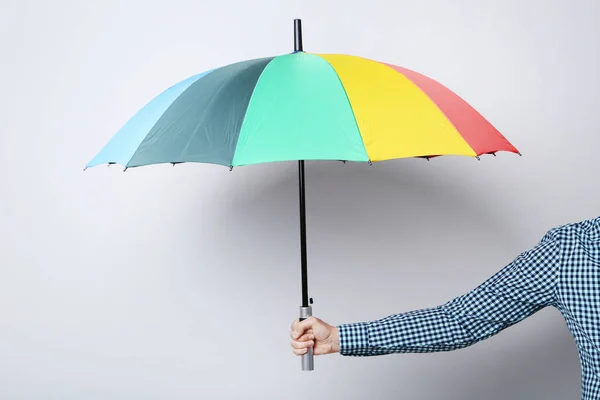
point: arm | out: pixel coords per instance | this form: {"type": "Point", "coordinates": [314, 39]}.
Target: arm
{"type": "Point", "coordinates": [520, 289]}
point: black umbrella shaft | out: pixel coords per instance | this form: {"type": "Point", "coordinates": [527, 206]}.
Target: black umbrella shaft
{"type": "Point", "coordinates": [303, 255]}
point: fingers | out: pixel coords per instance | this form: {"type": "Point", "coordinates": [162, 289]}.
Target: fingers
{"type": "Point", "coordinates": [300, 352]}
{"type": "Point", "coordinates": [307, 336]}
{"type": "Point", "coordinates": [299, 328]}
{"type": "Point", "coordinates": [302, 335]}
{"type": "Point", "coordinates": [302, 347]}
{"type": "Point", "coordinates": [303, 343]}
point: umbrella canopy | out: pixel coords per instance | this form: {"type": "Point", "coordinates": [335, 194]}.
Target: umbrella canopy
{"type": "Point", "coordinates": [302, 106]}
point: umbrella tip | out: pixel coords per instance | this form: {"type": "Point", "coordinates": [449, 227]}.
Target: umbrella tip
{"type": "Point", "coordinates": [231, 168]}
{"type": "Point", "coordinates": [519, 153]}
{"type": "Point", "coordinates": [85, 168]}
{"type": "Point", "coordinates": [298, 46]}
{"type": "Point", "coordinates": [125, 169]}
{"type": "Point", "coordinates": [478, 159]}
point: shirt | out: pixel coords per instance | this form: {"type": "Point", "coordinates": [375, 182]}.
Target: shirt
{"type": "Point", "coordinates": [561, 271]}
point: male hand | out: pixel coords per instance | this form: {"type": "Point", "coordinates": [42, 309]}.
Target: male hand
{"type": "Point", "coordinates": [312, 332]}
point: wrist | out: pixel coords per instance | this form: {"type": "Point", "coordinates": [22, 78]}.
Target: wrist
{"type": "Point", "coordinates": [335, 340]}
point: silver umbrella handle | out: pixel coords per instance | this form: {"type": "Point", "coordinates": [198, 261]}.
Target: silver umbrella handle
{"type": "Point", "coordinates": [307, 359]}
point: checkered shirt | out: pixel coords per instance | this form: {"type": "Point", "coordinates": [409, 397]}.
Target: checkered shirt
{"type": "Point", "coordinates": [561, 271]}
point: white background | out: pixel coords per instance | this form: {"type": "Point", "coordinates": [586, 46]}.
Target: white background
{"type": "Point", "coordinates": [181, 282]}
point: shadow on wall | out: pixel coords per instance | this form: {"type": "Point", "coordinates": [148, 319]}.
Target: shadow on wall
{"type": "Point", "coordinates": [372, 216]}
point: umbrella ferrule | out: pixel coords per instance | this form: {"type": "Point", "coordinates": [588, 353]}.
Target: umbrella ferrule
{"type": "Point", "coordinates": [298, 46]}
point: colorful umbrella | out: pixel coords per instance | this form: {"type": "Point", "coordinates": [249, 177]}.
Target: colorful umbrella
{"type": "Point", "coordinates": [297, 107]}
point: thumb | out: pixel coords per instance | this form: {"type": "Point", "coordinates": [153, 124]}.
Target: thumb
{"type": "Point", "coordinates": [299, 327]}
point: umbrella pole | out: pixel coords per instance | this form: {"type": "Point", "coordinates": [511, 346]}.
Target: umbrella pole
{"type": "Point", "coordinates": [306, 308]}
{"type": "Point", "coordinates": [303, 255]}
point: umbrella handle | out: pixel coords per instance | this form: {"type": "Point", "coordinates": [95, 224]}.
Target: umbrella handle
{"type": "Point", "coordinates": [307, 359]}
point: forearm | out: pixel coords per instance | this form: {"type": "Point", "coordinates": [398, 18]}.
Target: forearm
{"type": "Point", "coordinates": [429, 330]}
{"type": "Point", "coordinates": [459, 323]}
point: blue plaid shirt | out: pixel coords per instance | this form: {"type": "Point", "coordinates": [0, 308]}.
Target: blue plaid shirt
{"type": "Point", "coordinates": [562, 271]}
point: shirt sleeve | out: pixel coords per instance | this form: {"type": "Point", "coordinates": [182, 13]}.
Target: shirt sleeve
{"type": "Point", "coordinates": [520, 289]}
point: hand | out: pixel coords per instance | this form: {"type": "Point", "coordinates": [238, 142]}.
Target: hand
{"type": "Point", "coordinates": [312, 332]}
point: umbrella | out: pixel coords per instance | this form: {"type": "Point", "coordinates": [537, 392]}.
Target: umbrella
{"type": "Point", "coordinates": [302, 106]}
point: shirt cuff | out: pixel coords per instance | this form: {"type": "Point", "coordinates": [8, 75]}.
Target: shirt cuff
{"type": "Point", "coordinates": [354, 339]}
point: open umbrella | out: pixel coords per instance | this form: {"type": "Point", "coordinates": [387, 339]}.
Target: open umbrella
{"type": "Point", "coordinates": [302, 106]}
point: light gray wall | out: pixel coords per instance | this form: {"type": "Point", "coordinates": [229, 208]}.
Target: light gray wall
{"type": "Point", "coordinates": [181, 282]}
